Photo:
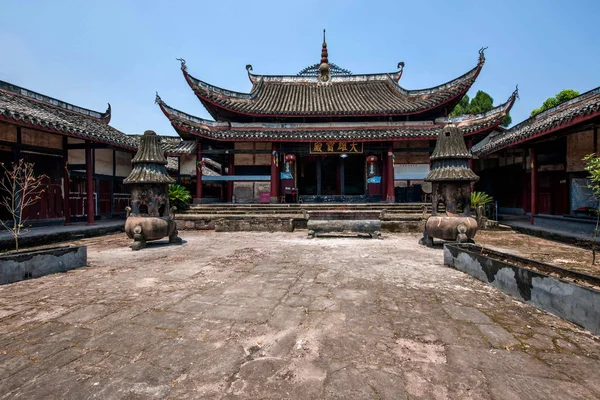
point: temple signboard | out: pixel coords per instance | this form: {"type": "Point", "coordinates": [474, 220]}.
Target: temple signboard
{"type": "Point", "coordinates": [336, 147]}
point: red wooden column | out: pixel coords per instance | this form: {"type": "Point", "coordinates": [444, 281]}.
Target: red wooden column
{"type": "Point", "coordinates": [534, 174]}
{"type": "Point", "coordinates": [199, 172]}
{"type": "Point", "coordinates": [66, 186]}
{"type": "Point", "coordinates": [469, 146]}
{"type": "Point", "coordinates": [274, 174]}
{"type": "Point", "coordinates": [383, 184]}
{"type": "Point", "coordinates": [391, 198]}
{"type": "Point", "coordinates": [230, 171]}
{"type": "Point", "coordinates": [89, 169]}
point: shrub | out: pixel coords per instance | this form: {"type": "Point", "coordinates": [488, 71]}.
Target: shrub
{"type": "Point", "coordinates": [179, 197]}
{"type": "Point", "coordinates": [480, 199]}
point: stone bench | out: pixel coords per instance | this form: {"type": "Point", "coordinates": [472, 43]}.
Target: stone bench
{"type": "Point", "coordinates": [341, 221]}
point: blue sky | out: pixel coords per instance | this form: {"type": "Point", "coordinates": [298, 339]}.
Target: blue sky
{"type": "Point", "coordinates": [93, 52]}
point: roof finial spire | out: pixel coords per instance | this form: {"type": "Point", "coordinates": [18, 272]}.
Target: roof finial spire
{"type": "Point", "coordinates": [324, 67]}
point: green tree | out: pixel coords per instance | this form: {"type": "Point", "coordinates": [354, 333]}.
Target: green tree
{"type": "Point", "coordinates": [550, 102]}
{"type": "Point", "coordinates": [481, 103]}
{"type": "Point", "coordinates": [461, 108]}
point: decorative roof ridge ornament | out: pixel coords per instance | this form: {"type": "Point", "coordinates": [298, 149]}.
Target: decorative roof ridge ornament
{"type": "Point", "coordinates": [482, 55]}
{"type": "Point", "coordinates": [515, 93]}
{"type": "Point", "coordinates": [157, 99]}
{"type": "Point", "coordinates": [335, 70]}
{"type": "Point", "coordinates": [324, 72]}
{"type": "Point", "coordinates": [183, 66]}
{"type": "Point", "coordinates": [397, 75]}
{"type": "Point", "coordinates": [249, 70]}
{"type": "Point", "coordinates": [107, 115]}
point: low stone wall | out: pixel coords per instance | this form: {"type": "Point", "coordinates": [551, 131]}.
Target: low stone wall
{"type": "Point", "coordinates": [566, 299]}
{"type": "Point", "coordinates": [280, 223]}
{"type": "Point", "coordinates": [239, 223]}
{"type": "Point", "coordinates": [23, 265]}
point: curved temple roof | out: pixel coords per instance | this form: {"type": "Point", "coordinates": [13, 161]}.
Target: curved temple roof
{"type": "Point", "coordinates": [22, 106]}
{"type": "Point", "coordinates": [189, 126]}
{"type": "Point", "coordinates": [342, 95]}
{"type": "Point", "coordinates": [46, 113]}
{"type": "Point", "coordinates": [574, 111]}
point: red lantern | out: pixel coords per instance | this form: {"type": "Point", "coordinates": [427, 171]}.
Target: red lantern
{"type": "Point", "coordinates": [290, 158]}
{"type": "Point", "coordinates": [372, 159]}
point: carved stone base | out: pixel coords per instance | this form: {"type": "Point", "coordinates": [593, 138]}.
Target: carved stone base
{"type": "Point", "coordinates": [174, 239]}
{"type": "Point", "coordinates": [426, 240]}
{"type": "Point", "coordinates": [139, 242]}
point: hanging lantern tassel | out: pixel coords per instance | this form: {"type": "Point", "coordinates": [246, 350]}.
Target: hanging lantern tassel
{"type": "Point", "coordinates": [275, 158]}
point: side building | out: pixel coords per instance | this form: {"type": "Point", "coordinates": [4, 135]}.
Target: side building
{"type": "Point", "coordinates": [535, 168]}
{"type": "Point", "coordinates": [78, 151]}
{"type": "Point", "coordinates": [325, 134]}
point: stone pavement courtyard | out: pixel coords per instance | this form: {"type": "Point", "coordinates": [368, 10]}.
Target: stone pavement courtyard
{"type": "Point", "coordinates": [278, 316]}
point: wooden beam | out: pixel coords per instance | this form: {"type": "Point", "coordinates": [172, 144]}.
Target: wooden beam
{"type": "Point", "coordinates": [82, 146]}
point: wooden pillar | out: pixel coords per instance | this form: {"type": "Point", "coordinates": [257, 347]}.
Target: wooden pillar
{"type": "Point", "coordinates": [319, 164]}
{"type": "Point", "coordinates": [179, 170]}
{"type": "Point", "coordinates": [199, 172]}
{"type": "Point", "coordinates": [66, 185]}
{"type": "Point", "coordinates": [469, 146]}
{"type": "Point", "coordinates": [89, 169]}
{"type": "Point", "coordinates": [112, 183]}
{"type": "Point", "coordinates": [231, 171]}
{"type": "Point", "coordinates": [383, 182]}
{"type": "Point", "coordinates": [534, 174]}
{"type": "Point", "coordinates": [274, 174]}
{"type": "Point", "coordinates": [17, 149]}
{"type": "Point", "coordinates": [342, 176]}
{"type": "Point", "coordinates": [391, 198]}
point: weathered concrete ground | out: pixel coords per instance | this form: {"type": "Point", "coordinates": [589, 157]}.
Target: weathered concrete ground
{"type": "Point", "coordinates": [245, 315]}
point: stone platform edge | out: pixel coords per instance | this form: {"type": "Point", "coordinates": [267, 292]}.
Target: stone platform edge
{"type": "Point", "coordinates": [281, 223]}
{"type": "Point", "coordinates": [32, 239]}
{"type": "Point", "coordinates": [22, 265]}
{"type": "Point", "coordinates": [566, 299]}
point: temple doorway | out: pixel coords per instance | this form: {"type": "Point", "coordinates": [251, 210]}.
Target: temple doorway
{"type": "Point", "coordinates": [331, 175]}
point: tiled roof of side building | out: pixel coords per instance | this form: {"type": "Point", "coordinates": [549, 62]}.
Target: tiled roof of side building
{"type": "Point", "coordinates": [172, 145]}
{"type": "Point", "coordinates": [342, 95]}
{"type": "Point", "coordinates": [574, 111]}
{"type": "Point", "coordinates": [46, 113]}
{"type": "Point", "coordinates": [189, 126]}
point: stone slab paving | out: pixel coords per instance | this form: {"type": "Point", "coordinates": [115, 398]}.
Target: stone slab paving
{"type": "Point", "coordinates": [278, 316]}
